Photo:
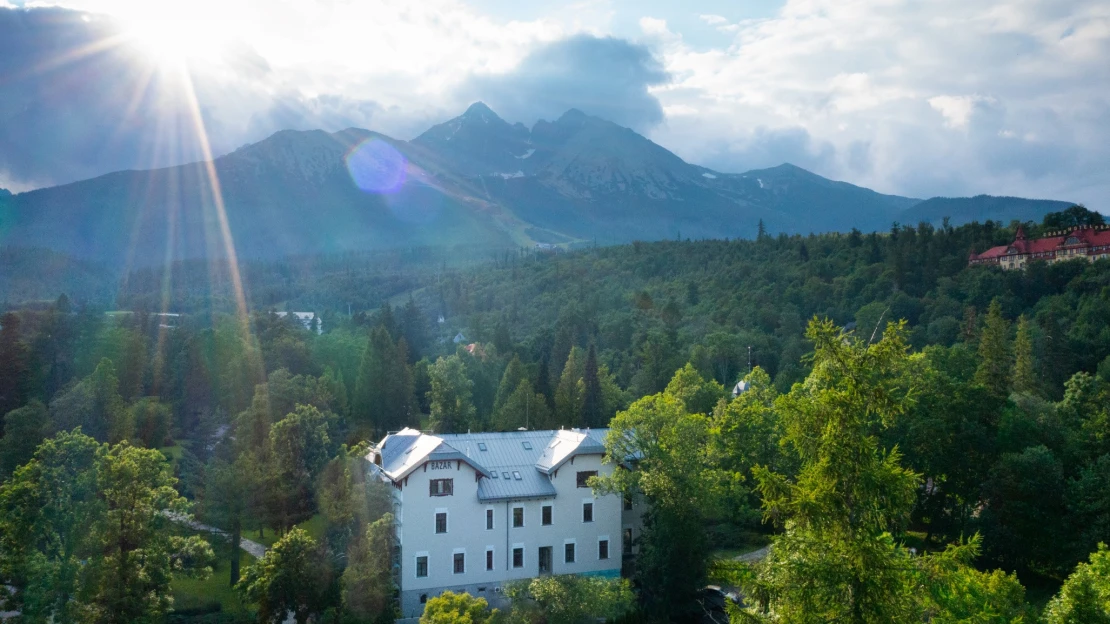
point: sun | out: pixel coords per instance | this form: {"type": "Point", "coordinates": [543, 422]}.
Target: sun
{"type": "Point", "coordinates": [171, 40]}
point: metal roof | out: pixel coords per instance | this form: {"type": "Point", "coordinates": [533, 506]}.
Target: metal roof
{"type": "Point", "coordinates": [532, 455]}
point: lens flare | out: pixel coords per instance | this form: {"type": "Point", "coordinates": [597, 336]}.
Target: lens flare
{"type": "Point", "coordinates": [376, 166]}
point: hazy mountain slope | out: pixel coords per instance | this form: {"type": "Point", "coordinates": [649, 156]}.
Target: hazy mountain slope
{"type": "Point", "coordinates": [290, 194]}
{"type": "Point", "coordinates": [474, 180]}
{"type": "Point", "coordinates": [980, 208]}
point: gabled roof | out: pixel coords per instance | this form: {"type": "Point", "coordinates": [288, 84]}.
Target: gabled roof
{"type": "Point", "coordinates": [515, 465]}
{"type": "Point", "coordinates": [406, 450]}
{"type": "Point", "coordinates": [567, 444]}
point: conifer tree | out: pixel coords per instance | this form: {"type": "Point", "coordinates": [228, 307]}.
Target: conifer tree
{"type": "Point", "coordinates": [514, 374]}
{"type": "Point", "coordinates": [387, 320]}
{"type": "Point", "coordinates": [414, 327]}
{"type": "Point", "coordinates": [571, 391]}
{"type": "Point", "coordinates": [592, 398]}
{"type": "Point", "coordinates": [449, 399]}
{"type": "Point", "coordinates": [385, 384]}
{"type": "Point", "coordinates": [523, 408]}
{"type": "Point", "coordinates": [994, 352]}
{"type": "Point", "coordinates": [1024, 379]}
{"type": "Point", "coordinates": [13, 364]}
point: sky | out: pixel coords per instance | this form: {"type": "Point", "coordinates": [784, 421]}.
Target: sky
{"type": "Point", "coordinates": [946, 97]}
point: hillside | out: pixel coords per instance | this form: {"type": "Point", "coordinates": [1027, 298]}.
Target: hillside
{"type": "Point", "coordinates": [474, 180]}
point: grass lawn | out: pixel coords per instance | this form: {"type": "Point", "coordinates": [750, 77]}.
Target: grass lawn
{"type": "Point", "coordinates": [314, 526]}
{"type": "Point", "coordinates": [190, 594]}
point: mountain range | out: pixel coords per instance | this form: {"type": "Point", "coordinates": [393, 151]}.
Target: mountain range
{"type": "Point", "coordinates": [475, 180]}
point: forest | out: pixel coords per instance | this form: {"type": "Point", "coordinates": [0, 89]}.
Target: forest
{"type": "Point", "coordinates": [918, 440]}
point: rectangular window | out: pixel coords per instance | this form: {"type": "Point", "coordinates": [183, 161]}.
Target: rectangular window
{"type": "Point", "coordinates": [460, 563]}
{"type": "Point", "coordinates": [518, 517]}
{"type": "Point", "coordinates": [422, 566]}
{"type": "Point", "coordinates": [584, 476]}
{"type": "Point", "coordinates": [627, 541]}
{"type": "Point", "coordinates": [489, 559]}
{"type": "Point", "coordinates": [441, 522]}
{"type": "Point", "coordinates": [441, 487]}
{"type": "Point", "coordinates": [568, 553]}
{"type": "Point", "coordinates": [545, 516]}
{"type": "Point", "coordinates": [587, 512]}
{"type": "Point", "coordinates": [603, 549]}
{"type": "Point", "coordinates": [518, 557]}
{"type": "Point", "coordinates": [489, 519]}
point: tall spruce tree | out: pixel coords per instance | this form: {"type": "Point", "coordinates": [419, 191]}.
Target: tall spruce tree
{"type": "Point", "coordinates": [13, 365]}
{"type": "Point", "coordinates": [414, 327]}
{"type": "Point", "coordinates": [570, 391]}
{"type": "Point", "coordinates": [452, 409]}
{"type": "Point", "coordinates": [995, 364]}
{"type": "Point", "coordinates": [593, 400]}
{"type": "Point", "coordinates": [514, 374]}
{"type": "Point", "coordinates": [1024, 380]}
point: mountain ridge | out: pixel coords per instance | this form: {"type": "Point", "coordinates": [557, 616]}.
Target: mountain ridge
{"type": "Point", "coordinates": [473, 179]}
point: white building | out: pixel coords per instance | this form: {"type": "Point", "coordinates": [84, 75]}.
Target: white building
{"type": "Point", "coordinates": [476, 510]}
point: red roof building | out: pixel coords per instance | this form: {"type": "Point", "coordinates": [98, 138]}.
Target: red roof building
{"type": "Point", "coordinates": [1090, 243]}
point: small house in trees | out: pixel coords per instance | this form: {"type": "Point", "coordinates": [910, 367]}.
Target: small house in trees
{"type": "Point", "coordinates": [477, 510]}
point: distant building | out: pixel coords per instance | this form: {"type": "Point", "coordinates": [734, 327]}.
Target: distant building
{"type": "Point", "coordinates": [474, 511]}
{"type": "Point", "coordinates": [305, 319]}
{"type": "Point", "coordinates": [1091, 243]}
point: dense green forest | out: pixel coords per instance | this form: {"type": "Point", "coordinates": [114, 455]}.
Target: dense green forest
{"type": "Point", "coordinates": [895, 398]}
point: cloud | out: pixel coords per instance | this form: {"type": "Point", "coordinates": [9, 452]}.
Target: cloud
{"type": "Point", "coordinates": [602, 76]}
{"type": "Point", "coordinates": [944, 97]}
{"type": "Point", "coordinates": [713, 20]}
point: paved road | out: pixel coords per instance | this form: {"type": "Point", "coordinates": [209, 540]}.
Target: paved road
{"type": "Point", "coordinates": [251, 547]}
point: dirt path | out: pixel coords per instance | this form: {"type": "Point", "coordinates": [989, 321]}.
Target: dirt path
{"type": "Point", "coordinates": [755, 555]}
{"type": "Point", "coordinates": [251, 547]}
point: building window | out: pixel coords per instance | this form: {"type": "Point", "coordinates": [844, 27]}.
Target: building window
{"type": "Point", "coordinates": [628, 502]}
{"type": "Point", "coordinates": [545, 515]}
{"type": "Point", "coordinates": [489, 559]}
{"type": "Point", "coordinates": [516, 475]}
{"type": "Point", "coordinates": [441, 487]}
{"type": "Point", "coordinates": [489, 519]}
{"type": "Point", "coordinates": [460, 563]}
{"type": "Point", "coordinates": [568, 553]}
{"type": "Point", "coordinates": [587, 512]}
{"type": "Point", "coordinates": [482, 446]}
{"type": "Point", "coordinates": [423, 598]}
{"type": "Point", "coordinates": [603, 549]}
{"type": "Point", "coordinates": [422, 566]}
{"type": "Point", "coordinates": [518, 517]}
{"type": "Point", "coordinates": [527, 445]}
{"type": "Point", "coordinates": [584, 476]}
{"type": "Point", "coordinates": [441, 522]}
{"type": "Point", "coordinates": [627, 541]}
{"type": "Point", "coordinates": [518, 557]}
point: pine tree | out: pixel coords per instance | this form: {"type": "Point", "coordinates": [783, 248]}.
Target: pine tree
{"type": "Point", "coordinates": [13, 365]}
{"type": "Point", "coordinates": [592, 398]}
{"type": "Point", "coordinates": [384, 394]}
{"type": "Point", "coordinates": [449, 399]}
{"type": "Point", "coordinates": [414, 326]}
{"type": "Point", "coordinates": [523, 408]}
{"type": "Point", "coordinates": [543, 385]}
{"type": "Point", "coordinates": [386, 320]}
{"type": "Point", "coordinates": [994, 352]}
{"type": "Point", "coordinates": [514, 374]}
{"type": "Point", "coordinates": [569, 393]}
{"type": "Point", "coordinates": [1024, 380]}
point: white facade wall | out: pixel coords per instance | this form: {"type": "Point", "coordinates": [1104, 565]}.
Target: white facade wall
{"type": "Point", "coordinates": [467, 532]}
